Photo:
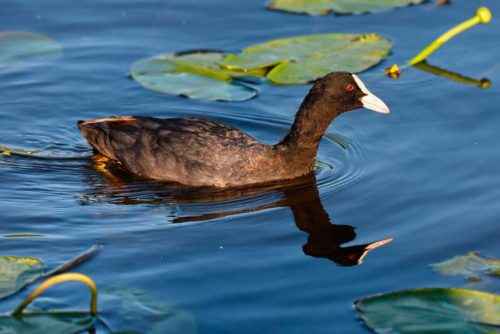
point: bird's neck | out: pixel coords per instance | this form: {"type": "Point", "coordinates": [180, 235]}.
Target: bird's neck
{"type": "Point", "coordinates": [300, 145]}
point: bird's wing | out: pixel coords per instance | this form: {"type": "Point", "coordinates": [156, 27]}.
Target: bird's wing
{"type": "Point", "coordinates": [150, 146]}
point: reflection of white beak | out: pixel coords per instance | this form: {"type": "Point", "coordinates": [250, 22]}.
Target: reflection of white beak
{"type": "Point", "coordinates": [372, 246]}
{"type": "Point", "coordinates": [370, 101]}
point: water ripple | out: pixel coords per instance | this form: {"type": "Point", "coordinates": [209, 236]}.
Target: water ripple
{"type": "Point", "coordinates": [341, 170]}
{"type": "Point", "coordinates": [339, 164]}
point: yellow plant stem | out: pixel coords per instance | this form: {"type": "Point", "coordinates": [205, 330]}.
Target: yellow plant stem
{"type": "Point", "coordinates": [58, 280]}
{"type": "Point", "coordinates": [483, 15]}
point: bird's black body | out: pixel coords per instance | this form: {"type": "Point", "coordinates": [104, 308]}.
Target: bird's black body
{"type": "Point", "coordinates": [200, 152]}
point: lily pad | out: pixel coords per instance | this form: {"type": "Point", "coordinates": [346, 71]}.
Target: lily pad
{"type": "Point", "coordinates": [52, 154]}
{"type": "Point", "coordinates": [18, 47]}
{"type": "Point", "coordinates": [323, 7]}
{"type": "Point", "coordinates": [7, 151]}
{"type": "Point", "coordinates": [135, 307]}
{"type": "Point", "coordinates": [431, 310]}
{"type": "Point", "coordinates": [196, 75]}
{"type": "Point", "coordinates": [470, 265]}
{"type": "Point", "coordinates": [18, 271]}
{"type": "Point", "coordinates": [302, 59]}
{"type": "Point", "coordinates": [49, 322]}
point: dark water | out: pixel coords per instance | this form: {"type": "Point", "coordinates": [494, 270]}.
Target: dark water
{"type": "Point", "coordinates": [259, 262]}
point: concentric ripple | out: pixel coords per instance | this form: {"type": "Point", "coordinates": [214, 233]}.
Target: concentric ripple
{"type": "Point", "coordinates": [339, 164]}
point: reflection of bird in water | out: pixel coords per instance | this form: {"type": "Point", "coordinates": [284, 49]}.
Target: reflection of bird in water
{"type": "Point", "coordinates": [324, 238]}
{"type": "Point", "coordinates": [301, 196]}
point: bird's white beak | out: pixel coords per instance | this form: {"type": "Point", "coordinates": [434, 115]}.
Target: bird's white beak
{"type": "Point", "coordinates": [370, 101]}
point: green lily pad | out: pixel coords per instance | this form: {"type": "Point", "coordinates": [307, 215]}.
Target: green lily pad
{"type": "Point", "coordinates": [470, 265]}
{"type": "Point", "coordinates": [7, 151]}
{"type": "Point", "coordinates": [134, 307]}
{"type": "Point", "coordinates": [323, 7]}
{"type": "Point", "coordinates": [24, 47]}
{"type": "Point", "coordinates": [18, 271]}
{"type": "Point", "coordinates": [49, 322]}
{"type": "Point", "coordinates": [305, 58]}
{"type": "Point", "coordinates": [196, 75]}
{"type": "Point", "coordinates": [431, 310]}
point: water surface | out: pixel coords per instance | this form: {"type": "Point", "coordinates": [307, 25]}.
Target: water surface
{"type": "Point", "coordinates": [426, 175]}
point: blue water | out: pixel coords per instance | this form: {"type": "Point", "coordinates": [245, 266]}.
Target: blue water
{"type": "Point", "coordinates": [426, 175]}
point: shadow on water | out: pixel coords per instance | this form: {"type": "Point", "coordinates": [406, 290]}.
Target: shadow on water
{"type": "Point", "coordinates": [324, 238]}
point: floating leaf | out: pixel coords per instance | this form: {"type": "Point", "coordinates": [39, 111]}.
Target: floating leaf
{"type": "Point", "coordinates": [18, 271]}
{"type": "Point", "coordinates": [136, 307]}
{"type": "Point", "coordinates": [323, 7]}
{"type": "Point", "coordinates": [196, 75]}
{"type": "Point", "coordinates": [7, 151]}
{"type": "Point", "coordinates": [305, 58]}
{"type": "Point", "coordinates": [431, 310]}
{"type": "Point", "coordinates": [23, 47]}
{"type": "Point", "coordinates": [49, 322]}
{"type": "Point", "coordinates": [207, 62]}
{"type": "Point", "coordinates": [470, 265]}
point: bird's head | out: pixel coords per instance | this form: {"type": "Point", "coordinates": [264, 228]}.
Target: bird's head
{"type": "Point", "coordinates": [347, 92]}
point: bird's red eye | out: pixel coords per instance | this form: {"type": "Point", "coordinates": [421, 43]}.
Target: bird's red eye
{"type": "Point", "coordinates": [349, 87]}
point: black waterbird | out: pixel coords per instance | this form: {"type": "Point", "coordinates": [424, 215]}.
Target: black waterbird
{"type": "Point", "coordinates": [199, 152]}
